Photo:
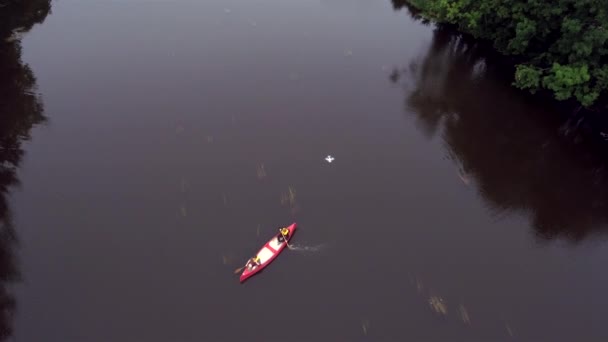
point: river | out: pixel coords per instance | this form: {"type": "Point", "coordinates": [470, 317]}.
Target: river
{"type": "Point", "coordinates": [150, 148]}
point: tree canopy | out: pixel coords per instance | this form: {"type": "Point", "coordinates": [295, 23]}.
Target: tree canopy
{"type": "Point", "coordinates": [560, 45]}
{"type": "Point", "coordinates": [21, 108]}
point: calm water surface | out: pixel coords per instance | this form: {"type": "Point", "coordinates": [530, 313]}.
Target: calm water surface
{"type": "Point", "coordinates": [171, 138]}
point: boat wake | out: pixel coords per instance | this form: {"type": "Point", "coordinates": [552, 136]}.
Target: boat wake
{"type": "Point", "coordinates": [312, 249]}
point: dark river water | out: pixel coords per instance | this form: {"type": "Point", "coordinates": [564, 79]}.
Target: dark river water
{"type": "Point", "coordinates": [151, 147]}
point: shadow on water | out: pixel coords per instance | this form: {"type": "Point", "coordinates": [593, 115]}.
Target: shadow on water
{"type": "Point", "coordinates": [20, 109]}
{"type": "Point", "coordinates": [520, 154]}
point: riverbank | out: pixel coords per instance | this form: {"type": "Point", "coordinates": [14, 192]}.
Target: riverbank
{"type": "Point", "coordinates": [590, 121]}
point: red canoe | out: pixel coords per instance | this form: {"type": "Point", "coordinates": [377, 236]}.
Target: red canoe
{"type": "Point", "coordinates": [270, 251]}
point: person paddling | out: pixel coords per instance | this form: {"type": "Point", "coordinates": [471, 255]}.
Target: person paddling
{"type": "Point", "coordinates": [255, 261]}
{"type": "Point", "coordinates": [284, 234]}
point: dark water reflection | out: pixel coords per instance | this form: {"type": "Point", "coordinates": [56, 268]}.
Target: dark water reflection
{"type": "Point", "coordinates": [183, 133]}
{"type": "Point", "coordinates": [21, 16]}
{"type": "Point", "coordinates": [515, 150]}
{"type": "Point", "coordinates": [21, 108]}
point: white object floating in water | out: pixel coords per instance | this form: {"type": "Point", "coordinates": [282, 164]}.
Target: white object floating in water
{"type": "Point", "coordinates": [329, 159]}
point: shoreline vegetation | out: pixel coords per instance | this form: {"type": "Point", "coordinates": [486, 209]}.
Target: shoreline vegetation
{"type": "Point", "coordinates": [557, 51]}
{"type": "Point", "coordinates": [21, 108]}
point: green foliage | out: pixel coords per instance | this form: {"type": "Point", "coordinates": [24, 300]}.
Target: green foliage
{"type": "Point", "coordinates": [560, 46]}
{"type": "Point", "coordinates": [527, 78]}
{"type": "Point", "coordinates": [566, 81]}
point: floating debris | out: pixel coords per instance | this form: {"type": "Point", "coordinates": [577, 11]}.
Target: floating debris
{"type": "Point", "coordinates": [463, 178]}
{"type": "Point", "coordinates": [509, 329]}
{"type": "Point", "coordinates": [419, 285]}
{"type": "Point", "coordinates": [261, 171]}
{"type": "Point", "coordinates": [258, 231]}
{"type": "Point", "coordinates": [179, 129]}
{"type": "Point", "coordinates": [329, 159]}
{"type": "Point", "coordinates": [293, 76]}
{"type": "Point", "coordinates": [253, 23]}
{"type": "Point", "coordinates": [292, 195]}
{"type": "Point", "coordinates": [209, 139]}
{"type": "Point", "coordinates": [464, 315]}
{"type": "Point", "coordinates": [348, 53]}
{"type": "Point", "coordinates": [438, 305]}
{"type": "Point", "coordinates": [183, 211]}
{"type": "Point", "coordinates": [227, 10]}
{"type": "Point", "coordinates": [365, 326]}
{"type": "Point", "coordinates": [225, 199]}
{"type": "Point", "coordinates": [289, 197]}
{"type": "Point", "coordinates": [228, 258]}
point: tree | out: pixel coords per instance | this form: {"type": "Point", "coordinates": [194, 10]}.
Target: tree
{"type": "Point", "coordinates": [21, 15]}
{"type": "Point", "coordinates": [559, 46]}
{"type": "Point", "coordinates": [20, 109]}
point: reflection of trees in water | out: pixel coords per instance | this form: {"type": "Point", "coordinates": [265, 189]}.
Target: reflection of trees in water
{"type": "Point", "coordinates": [413, 12]}
{"type": "Point", "coordinates": [21, 15]}
{"type": "Point", "coordinates": [20, 110]}
{"type": "Point", "coordinates": [511, 147]}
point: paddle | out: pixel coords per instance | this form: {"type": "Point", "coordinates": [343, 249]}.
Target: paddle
{"type": "Point", "coordinates": [238, 270]}
{"type": "Point", "coordinates": [288, 245]}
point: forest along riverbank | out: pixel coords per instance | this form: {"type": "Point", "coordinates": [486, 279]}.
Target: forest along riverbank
{"type": "Point", "coordinates": [21, 109]}
{"type": "Point", "coordinates": [566, 60]}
